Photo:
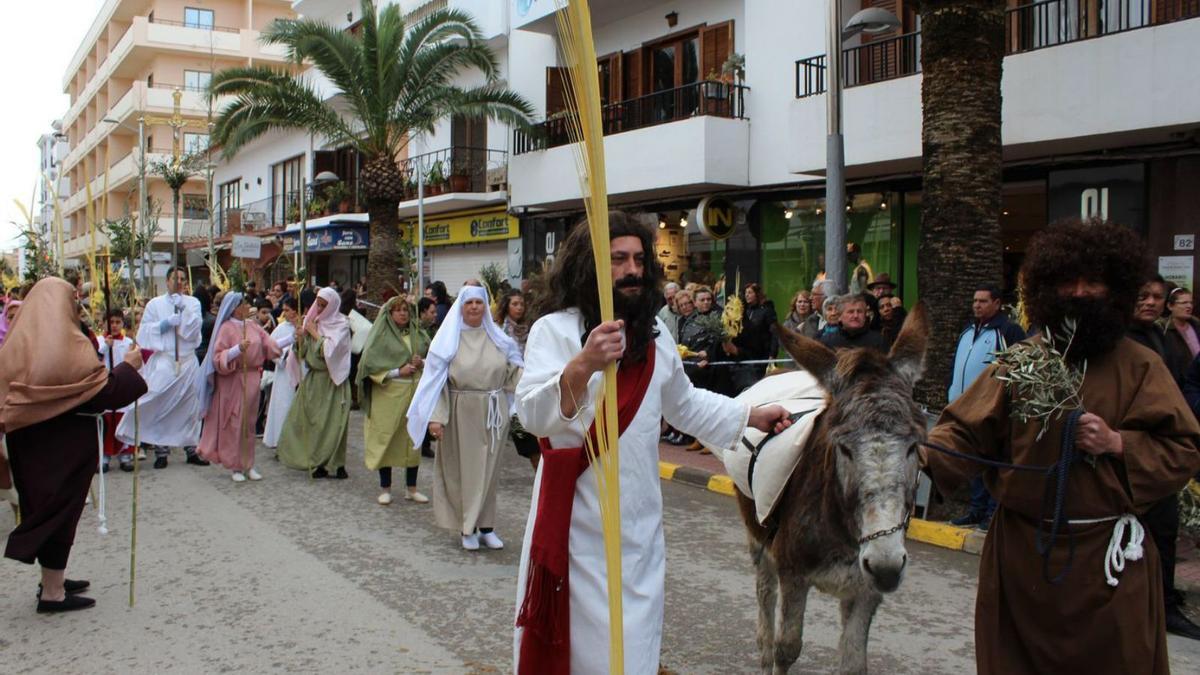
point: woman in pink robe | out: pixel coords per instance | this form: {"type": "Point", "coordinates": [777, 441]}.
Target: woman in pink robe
{"type": "Point", "coordinates": [231, 375]}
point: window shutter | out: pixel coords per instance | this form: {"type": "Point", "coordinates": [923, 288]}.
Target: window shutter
{"type": "Point", "coordinates": [631, 69]}
{"type": "Point", "coordinates": [716, 44]}
{"type": "Point", "coordinates": [556, 91]}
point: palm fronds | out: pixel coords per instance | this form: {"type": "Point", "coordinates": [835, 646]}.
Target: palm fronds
{"type": "Point", "coordinates": [1044, 384]}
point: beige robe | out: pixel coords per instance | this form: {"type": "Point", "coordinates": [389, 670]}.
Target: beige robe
{"type": "Point", "coordinates": [474, 408]}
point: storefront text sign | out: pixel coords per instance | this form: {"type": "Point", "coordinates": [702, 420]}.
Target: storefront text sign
{"type": "Point", "coordinates": [330, 239]}
{"type": "Point", "coordinates": [247, 246]}
{"type": "Point", "coordinates": [716, 217]}
{"type": "Point", "coordinates": [1176, 269]}
{"type": "Point", "coordinates": [471, 228]}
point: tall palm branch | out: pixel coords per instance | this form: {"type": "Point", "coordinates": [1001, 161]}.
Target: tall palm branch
{"type": "Point", "coordinates": [387, 83]}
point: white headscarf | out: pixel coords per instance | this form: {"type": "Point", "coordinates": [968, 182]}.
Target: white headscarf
{"type": "Point", "coordinates": [443, 350]}
{"type": "Point", "coordinates": [205, 383]}
{"type": "Point", "coordinates": [335, 328]}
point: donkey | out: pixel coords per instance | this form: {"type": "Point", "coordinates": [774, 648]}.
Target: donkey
{"type": "Point", "coordinates": [839, 523]}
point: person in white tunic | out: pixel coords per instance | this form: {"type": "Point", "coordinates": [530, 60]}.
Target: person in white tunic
{"type": "Point", "coordinates": [464, 400]}
{"type": "Point", "coordinates": [568, 348]}
{"type": "Point", "coordinates": [169, 413]}
{"type": "Point", "coordinates": [283, 389]}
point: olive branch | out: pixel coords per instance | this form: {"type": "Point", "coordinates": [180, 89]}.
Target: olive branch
{"type": "Point", "coordinates": [1044, 385]}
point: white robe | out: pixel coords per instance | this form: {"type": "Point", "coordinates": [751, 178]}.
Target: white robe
{"type": "Point", "coordinates": [169, 412]}
{"type": "Point", "coordinates": [119, 349]}
{"type": "Point", "coordinates": [283, 389]}
{"type": "Point", "coordinates": [716, 420]}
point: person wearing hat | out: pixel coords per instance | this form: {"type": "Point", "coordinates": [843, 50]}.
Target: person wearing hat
{"type": "Point", "coordinates": [882, 285]}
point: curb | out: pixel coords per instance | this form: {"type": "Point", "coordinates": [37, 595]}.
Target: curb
{"type": "Point", "coordinates": [944, 535]}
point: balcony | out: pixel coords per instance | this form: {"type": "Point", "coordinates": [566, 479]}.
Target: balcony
{"type": "Point", "coordinates": [456, 178]}
{"type": "Point", "coordinates": [263, 216]}
{"type": "Point", "coordinates": [1026, 28]}
{"type": "Point", "coordinates": [699, 99]}
{"type": "Point", "coordinates": [1135, 86]}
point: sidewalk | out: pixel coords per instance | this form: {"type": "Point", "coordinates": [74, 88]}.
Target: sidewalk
{"type": "Point", "coordinates": [706, 471]}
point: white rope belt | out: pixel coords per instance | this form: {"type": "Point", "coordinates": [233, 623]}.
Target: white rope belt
{"type": "Point", "coordinates": [101, 493]}
{"type": "Point", "coordinates": [497, 413]}
{"type": "Point", "coordinates": [1116, 556]}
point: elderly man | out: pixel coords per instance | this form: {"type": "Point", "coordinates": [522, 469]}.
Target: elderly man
{"type": "Point", "coordinates": [1067, 583]}
{"type": "Point", "coordinates": [668, 314]}
{"type": "Point", "coordinates": [814, 325]}
{"type": "Point", "coordinates": [855, 333]}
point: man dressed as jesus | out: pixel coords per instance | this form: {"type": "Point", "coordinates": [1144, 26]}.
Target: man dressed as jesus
{"type": "Point", "coordinates": [562, 597]}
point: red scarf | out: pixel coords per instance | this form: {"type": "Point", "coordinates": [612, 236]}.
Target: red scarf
{"type": "Point", "coordinates": [546, 609]}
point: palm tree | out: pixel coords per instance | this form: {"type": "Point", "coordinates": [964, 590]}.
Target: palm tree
{"type": "Point", "coordinates": [391, 81]}
{"type": "Point", "coordinates": [962, 54]}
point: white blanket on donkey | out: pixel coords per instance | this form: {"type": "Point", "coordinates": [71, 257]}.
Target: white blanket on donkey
{"type": "Point", "coordinates": [798, 392]}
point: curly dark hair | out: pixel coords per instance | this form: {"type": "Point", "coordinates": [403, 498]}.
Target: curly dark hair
{"type": "Point", "coordinates": [571, 283]}
{"type": "Point", "coordinates": [502, 306]}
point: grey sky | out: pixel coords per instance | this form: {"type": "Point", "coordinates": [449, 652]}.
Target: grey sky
{"type": "Point", "coordinates": [37, 41]}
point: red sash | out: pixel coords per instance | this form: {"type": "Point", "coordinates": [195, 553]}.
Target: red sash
{"type": "Point", "coordinates": [546, 609]}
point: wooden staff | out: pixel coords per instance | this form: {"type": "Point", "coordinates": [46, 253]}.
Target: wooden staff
{"type": "Point", "coordinates": [137, 446]}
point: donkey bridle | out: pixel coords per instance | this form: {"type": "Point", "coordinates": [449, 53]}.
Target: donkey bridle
{"type": "Point", "coordinates": [883, 533]}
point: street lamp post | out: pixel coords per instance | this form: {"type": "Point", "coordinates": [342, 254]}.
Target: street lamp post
{"type": "Point", "coordinates": [872, 21]}
{"type": "Point", "coordinates": [420, 227]}
{"type": "Point", "coordinates": [143, 199]}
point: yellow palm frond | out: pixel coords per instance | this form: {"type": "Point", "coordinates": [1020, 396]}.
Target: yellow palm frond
{"type": "Point", "coordinates": [586, 131]}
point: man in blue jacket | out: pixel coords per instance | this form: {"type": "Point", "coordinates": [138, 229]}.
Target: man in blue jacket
{"type": "Point", "coordinates": [990, 332]}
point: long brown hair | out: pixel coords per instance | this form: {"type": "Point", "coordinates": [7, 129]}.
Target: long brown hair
{"type": "Point", "coordinates": [571, 283]}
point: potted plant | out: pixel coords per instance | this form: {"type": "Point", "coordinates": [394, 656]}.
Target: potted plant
{"type": "Point", "coordinates": [435, 180]}
{"type": "Point", "coordinates": [316, 208]}
{"type": "Point", "coordinates": [410, 188]}
{"type": "Point", "coordinates": [460, 176]}
{"type": "Point", "coordinates": [338, 197]}
{"type": "Point", "coordinates": [292, 215]}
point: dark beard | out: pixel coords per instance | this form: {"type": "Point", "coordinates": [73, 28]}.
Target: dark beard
{"type": "Point", "coordinates": [1100, 326]}
{"type": "Point", "coordinates": [639, 313]}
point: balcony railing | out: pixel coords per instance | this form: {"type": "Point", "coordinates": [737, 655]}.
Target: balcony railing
{"type": "Point", "coordinates": [1028, 27]}
{"type": "Point", "coordinates": [272, 213]}
{"type": "Point", "coordinates": [707, 97]}
{"type": "Point", "coordinates": [193, 24]}
{"type": "Point", "coordinates": [456, 169]}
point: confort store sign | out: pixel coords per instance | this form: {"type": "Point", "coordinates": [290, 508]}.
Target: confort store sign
{"type": "Point", "coordinates": [468, 228]}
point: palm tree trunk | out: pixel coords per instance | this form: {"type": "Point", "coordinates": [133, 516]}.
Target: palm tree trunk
{"type": "Point", "coordinates": [962, 60]}
{"type": "Point", "coordinates": [383, 256]}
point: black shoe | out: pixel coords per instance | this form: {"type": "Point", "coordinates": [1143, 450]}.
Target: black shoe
{"type": "Point", "coordinates": [984, 524]}
{"type": "Point", "coordinates": [196, 459]}
{"type": "Point", "coordinates": [71, 586]}
{"type": "Point", "coordinates": [67, 604]}
{"type": "Point", "coordinates": [1178, 624]}
{"type": "Point", "coordinates": [160, 462]}
{"type": "Point", "coordinates": [320, 472]}
{"type": "Point", "coordinates": [103, 468]}
{"type": "Point", "coordinates": [967, 520]}
{"type": "Point", "coordinates": [127, 467]}
{"type": "Point", "coordinates": [341, 473]}
{"type": "Point", "coordinates": [427, 452]}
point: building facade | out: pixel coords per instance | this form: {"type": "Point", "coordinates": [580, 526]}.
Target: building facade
{"type": "Point", "coordinates": [715, 133]}
{"type": "Point", "coordinates": [137, 86]}
{"type": "Point", "coordinates": [53, 187]}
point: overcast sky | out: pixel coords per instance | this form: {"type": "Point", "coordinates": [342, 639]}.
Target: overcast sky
{"type": "Point", "coordinates": [37, 40]}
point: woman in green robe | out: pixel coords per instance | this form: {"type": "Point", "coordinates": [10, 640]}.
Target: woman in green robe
{"type": "Point", "coordinates": [314, 435]}
{"type": "Point", "coordinates": [391, 364]}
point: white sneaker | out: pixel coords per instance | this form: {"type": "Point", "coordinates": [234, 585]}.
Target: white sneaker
{"type": "Point", "coordinates": [385, 498]}
{"type": "Point", "coordinates": [470, 542]}
{"type": "Point", "coordinates": [239, 477]}
{"type": "Point", "coordinates": [491, 541]}
{"type": "Point", "coordinates": [141, 454]}
{"type": "Point", "coordinates": [416, 497]}
{"type": "Point", "coordinates": [253, 474]}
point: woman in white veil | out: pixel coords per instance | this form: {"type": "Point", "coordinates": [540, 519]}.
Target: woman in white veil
{"type": "Point", "coordinates": [464, 402]}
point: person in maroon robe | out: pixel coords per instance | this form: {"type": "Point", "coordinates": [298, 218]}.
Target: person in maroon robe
{"type": "Point", "coordinates": [53, 389]}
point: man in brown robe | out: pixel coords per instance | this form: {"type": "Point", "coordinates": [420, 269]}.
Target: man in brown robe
{"type": "Point", "coordinates": [52, 390]}
{"type": "Point", "coordinates": [1063, 613]}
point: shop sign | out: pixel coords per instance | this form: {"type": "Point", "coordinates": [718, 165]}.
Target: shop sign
{"type": "Point", "coordinates": [471, 228]}
{"type": "Point", "coordinates": [330, 239]}
{"type": "Point", "coordinates": [246, 246]}
{"type": "Point", "coordinates": [1176, 269]}
{"type": "Point", "coordinates": [716, 217]}
{"type": "Point", "coordinates": [1110, 193]}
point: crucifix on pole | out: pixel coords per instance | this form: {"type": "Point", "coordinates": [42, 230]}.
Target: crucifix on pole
{"type": "Point", "coordinates": [177, 123]}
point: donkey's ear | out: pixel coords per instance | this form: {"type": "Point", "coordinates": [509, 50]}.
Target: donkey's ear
{"type": "Point", "coordinates": [812, 356]}
{"type": "Point", "coordinates": [908, 352]}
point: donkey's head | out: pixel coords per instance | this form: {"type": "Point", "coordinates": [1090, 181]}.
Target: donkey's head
{"type": "Point", "coordinates": [871, 432]}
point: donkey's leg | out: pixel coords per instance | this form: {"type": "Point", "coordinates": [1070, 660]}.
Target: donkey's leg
{"type": "Point", "coordinates": [793, 599]}
{"type": "Point", "coordinates": [857, 613]}
{"type": "Point", "coordinates": [767, 583]}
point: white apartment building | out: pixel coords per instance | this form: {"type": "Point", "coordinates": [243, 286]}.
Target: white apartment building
{"type": "Point", "coordinates": [53, 186]}
{"type": "Point", "coordinates": [150, 61]}
{"type": "Point", "coordinates": [1101, 117]}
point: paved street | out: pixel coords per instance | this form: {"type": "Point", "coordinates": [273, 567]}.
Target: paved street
{"type": "Point", "coordinates": [292, 575]}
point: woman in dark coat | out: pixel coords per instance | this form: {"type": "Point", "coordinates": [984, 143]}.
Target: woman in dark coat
{"type": "Point", "coordinates": [52, 391]}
